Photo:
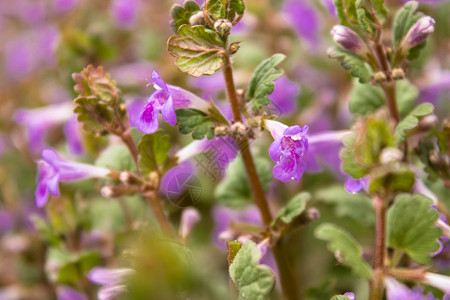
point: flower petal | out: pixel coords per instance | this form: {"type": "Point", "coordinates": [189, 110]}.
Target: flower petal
{"type": "Point", "coordinates": [168, 112]}
{"type": "Point", "coordinates": [285, 169]}
{"type": "Point", "coordinates": [147, 121]}
{"type": "Point", "coordinates": [52, 185]}
{"type": "Point", "coordinates": [275, 150]}
{"type": "Point", "coordinates": [41, 194]}
{"type": "Point", "coordinates": [158, 81]}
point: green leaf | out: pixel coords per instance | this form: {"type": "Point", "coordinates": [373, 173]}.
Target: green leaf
{"type": "Point", "coordinates": [217, 9]}
{"type": "Point", "coordinates": [261, 84]}
{"type": "Point", "coordinates": [412, 119]}
{"type": "Point", "coordinates": [363, 20]}
{"type": "Point", "coordinates": [391, 178]}
{"type": "Point", "coordinates": [233, 248]}
{"type": "Point", "coordinates": [340, 297]}
{"type": "Point", "coordinates": [411, 227]}
{"type": "Point", "coordinates": [366, 98]}
{"type": "Point", "coordinates": [198, 50]}
{"type": "Point", "coordinates": [404, 20]}
{"type": "Point", "coordinates": [351, 62]}
{"type": "Point", "coordinates": [195, 121]}
{"type": "Point", "coordinates": [153, 151]}
{"type": "Point", "coordinates": [344, 247]}
{"type": "Point", "coordinates": [116, 157]}
{"type": "Point", "coordinates": [45, 230]}
{"type": "Point", "coordinates": [293, 209]}
{"type": "Point", "coordinates": [236, 7]}
{"type": "Point", "coordinates": [346, 11]}
{"type": "Point", "coordinates": [92, 114]}
{"type": "Point", "coordinates": [234, 190]}
{"type": "Point", "coordinates": [349, 164]}
{"type": "Point", "coordinates": [380, 9]}
{"type": "Point", "coordinates": [253, 280]}
{"type": "Point", "coordinates": [357, 207]}
{"type": "Point", "coordinates": [181, 15]}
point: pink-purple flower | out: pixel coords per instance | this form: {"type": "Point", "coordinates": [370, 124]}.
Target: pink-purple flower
{"type": "Point", "coordinates": [112, 281]}
{"type": "Point", "coordinates": [165, 99]}
{"type": "Point", "coordinates": [52, 169]}
{"type": "Point", "coordinates": [288, 150]}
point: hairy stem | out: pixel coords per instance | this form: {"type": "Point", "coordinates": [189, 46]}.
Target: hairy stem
{"type": "Point", "coordinates": [389, 92]}
{"type": "Point", "coordinates": [157, 208]}
{"type": "Point", "coordinates": [288, 282]}
{"type": "Point", "coordinates": [377, 282]}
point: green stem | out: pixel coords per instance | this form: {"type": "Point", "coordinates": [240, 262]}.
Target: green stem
{"type": "Point", "coordinates": [377, 282]}
{"type": "Point", "coordinates": [288, 282]}
{"type": "Point", "coordinates": [157, 208]}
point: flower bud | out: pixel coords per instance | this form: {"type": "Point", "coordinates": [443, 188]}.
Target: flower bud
{"type": "Point", "coordinates": [379, 77]}
{"type": "Point", "coordinates": [348, 39]}
{"type": "Point", "coordinates": [196, 19]}
{"type": "Point", "coordinates": [189, 218]}
{"type": "Point", "coordinates": [223, 26]}
{"type": "Point", "coordinates": [390, 154]}
{"type": "Point", "coordinates": [398, 73]}
{"type": "Point", "coordinates": [419, 32]}
{"type": "Point", "coordinates": [220, 131]}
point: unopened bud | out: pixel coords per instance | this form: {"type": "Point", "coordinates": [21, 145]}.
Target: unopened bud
{"type": "Point", "coordinates": [398, 73]}
{"type": "Point", "coordinates": [124, 177]}
{"type": "Point", "coordinates": [220, 131]}
{"type": "Point", "coordinates": [313, 214]}
{"type": "Point", "coordinates": [196, 19]}
{"type": "Point", "coordinates": [234, 47]}
{"type": "Point", "coordinates": [389, 155]}
{"type": "Point", "coordinates": [189, 218]}
{"type": "Point", "coordinates": [379, 77]}
{"type": "Point", "coordinates": [239, 128]}
{"type": "Point", "coordinates": [223, 26]}
{"type": "Point", "coordinates": [428, 122]}
{"type": "Point", "coordinates": [419, 32]}
{"type": "Point", "coordinates": [123, 108]}
{"type": "Point", "coordinates": [348, 39]}
{"type": "Point", "coordinates": [107, 192]}
{"type": "Point", "coordinates": [153, 176]}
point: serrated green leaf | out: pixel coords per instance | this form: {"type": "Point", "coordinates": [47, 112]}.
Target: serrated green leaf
{"type": "Point", "coordinates": [346, 11]}
{"type": "Point", "coordinates": [234, 190]}
{"type": "Point", "coordinates": [411, 227]}
{"type": "Point", "coordinates": [412, 119]}
{"type": "Point", "coordinates": [261, 84]}
{"type": "Point", "coordinates": [351, 62]}
{"type": "Point", "coordinates": [181, 14]}
{"type": "Point", "coordinates": [236, 7]}
{"type": "Point", "coordinates": [195, 122]}
{"type": "Point", "coordinates": [217, 9]}
{"type": "Point", "coordinates": [116, 157]}
{"type": "Point", "coordinates": [344, 247]}
{"type": "Point", "coordinates": [363, 20]}
{"type": "Point", "coordinates": [357, 207]}
{"type": "Point", "coordinates": [404, 19]}
{"type": "Point", "coordinates": [253, 280]}
{"type": "Point", "coordinates": [380, 9]}
{"type": "Point", "coordinates": [153, 151]}
{"type": "Point", "coordinates": [92, 114]}
{"type": "Point", "coordinates": [406, 94]}
{"type": "Point", "coordinates": [198, 50]}
{"type": "Point", "coordinates": [340, 297]}
{"type": "Point", "coordinates": [293, 209]}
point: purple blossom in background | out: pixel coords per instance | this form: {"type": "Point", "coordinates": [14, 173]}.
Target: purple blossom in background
{"type": "Point", "coordinates": [350, 295]}
{"type": "Point", "coordinates": [165, 99]}
{"type": "Point", "coordinates": [52, 169]}
{"type": "Point", "coordinates": [210, 85]}
{"type": "Point", "coordinates": [63, 6]}
{"type": "Point", "coordinates": [18, 55]}
{"type": "Point", "coordinates": [74, 139]}
{"type": "Point", "coordinates": [284, 97]}
{"type": "Point", "coordinates": [397, 291]}
{"type": "Point", "coordinates": [189, 218]}
{"type": "Point", "coordinates": [436, 86]}
{"type": "Point", "coordinates": [68, 293]}
{"type": "Point", "coordinates": [354, 186]}
{"type": "Point", "coordinates": [175, 188]}
{"type": "Point", "coordinates": [330, 6]}
{"type": "Point", "coordinates": [305, 20]}
{"type": "Point", "coordinates": [113, 281]}
{"type": "Point", "coordinates": [132, 74]}
{"type": "Point", "coordinates": [288, 150]}
{"type": "Point", "coordinates": [6, 221]}
{"type": "Point", "coordinates": [125, 12]}
{"type": "Point", "coordinates": [38, 122]}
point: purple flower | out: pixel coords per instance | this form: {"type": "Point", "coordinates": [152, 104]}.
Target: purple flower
{"type": "Point", "coordinates": [350, 295]}
{"type": "Point", "coordinates": [134, 108]}
{"type": "Point", "coordinates": [125, 12]}
{"type": "Point", "coordinates": [38, 122]}
{"type": "Point", "coordinates": [438, 281]}
{"type": "Point", "coordinates": [174, 182]}
{"type": "Point", "coordinates": [305, 20]}
{"type": "Point", "coordinates": [165, 99]}
{"type": "Point", "coordinates": [6, 221]}
{"type": "Point", "coordinates": [210, 85]}
{"type": "Point", "coordinates": [348, 39]}
{"type": "Point", "coordinates": [113, 281]}
{"type": "Point", "coordinates": [288, 150]}
{"type": "Point", "coordinates": [397, 291]}
{"type": "Point", "coordinates": [52, 169]}
{"type": "Point", "coordinates": [419, 32]}
{"type": "Point", "coordinates": [63, 6]}
{"type": "Point", "coordinates": [68, 293]}
{"type": "Point", "coordinates": [189, 218]}
{"type": "Point", "coordinates": [74, 139]}
{"type": "Point", "coordinates": [284, 97]}
{"type": "Point", "coordinates": [354, 186]}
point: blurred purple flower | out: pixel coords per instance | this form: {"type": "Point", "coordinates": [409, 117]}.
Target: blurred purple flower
{"type": "Point", "coordinates": [175, 188]}
{"type": "Point", "coordinates": [354, 186]}
{"type": "Point", "coordinates": [132, 74]}
{"type": "Point", "coordinates": [74, 139]}
{"type": "Point", "coordinates": [189, 218]}
{"type": "Point", "coordinates": [68, 293]}
{"type": "Point", "coordinates": [284, 97]}
{"type": "Point", "coordinates": [125, 12]}
{"type": "Point", "coordinates": [63, 6]}
{"type": "Point", "coordinates": [330, 6]}
{"type": "Point", "coordinates": [113, 281]}
{"type": "Point", "coordinates": [165, 99]}
{"type": "Point", "coordinates": [304, 19]}
{"type": "Point", "coordinates": [52, 169]}
{"type": "Point", "coordinates": [397, 291]}
{"type": "Point", "coordinates": [288, 150]}
{"type": "Point", "coordinates": [38, 122]}
{"type": "Point", "coordinates": [350, 295]}
{"type": "Point", "coordinates": [134, 107]}
{"type": "Point", "coordinates": [18, 54]}
{"type": "Point", "coordinates": [438, 84]}
{"type": "Point", "coordinates": [6, 221]}
{"type": "Point", "coordinates": [209, 85]}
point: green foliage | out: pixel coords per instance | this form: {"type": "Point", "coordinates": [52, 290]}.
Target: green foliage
{"type": "Point", "coordinates": [412, 119]}
{"type": "Point", "coordinates": [234, 190]}
{"type": "Point", "coordinates": [195, 121]}
{"type": "Point", "coordinates": [349, 164]}
{"type": "Point", "coordinates": [293, 209]}
{"type": "Point", "coordinates": [411, 227]}
{"type": "Point", "coordinates": [181, 14]}
{"type": "Point", "coordinates": [366, 98]}
{"type": "Point", "coordinates": [346, 11]}
{"type": "Point", "coordinates": [153, 151]}
{"type": "Point", "coordinates": [404, 20]}
{"type": "Point", "coordinates": [116, 157]}
{"type": "Point", "coordinates": [198, 50]}
{"type": "Point", "coordinates": [340, 297]}
{"type": "Point", "coordinates": [218, 9]}
{"type": "Point", "coordinates": [233, 248]}
{"type": "Point", "coordinates": [351, 62]}
{"type": "Point", "coordinates": [253, 280]}
{"type": "Point", "coordinates": [46, 231]}
{"type": "Point", "coordinates": [391, 178]}
{"type": "Point", "coordinates": [261, 84]}
{"type": "Point", "coordinates": [344, 247]}
{"type": "Point", "coordinates": [357, 207]}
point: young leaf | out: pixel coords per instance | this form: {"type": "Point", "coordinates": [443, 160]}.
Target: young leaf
{"type": "Point", "coordinates": [404, 20]}
{"type": "Point", "coordinates": [181, 15]}
{"type": "Point", "coordinates": [351, 62]}
{"type": "Point", "coordinates": [380, 9]}
{"type": "Point", "coordinates": [405, 93]}
{"type": "Point", "coordinates": [261, 84]}
{"type": "Point", "coordinates": [346, 11]}
{"type": "Point", "coordinates": [217, 9]}
{"type": "Point", "coordinates": [253, 280]}
{"type": "Point", "coordinates": [344, 247]}
{"type": "Point", "coordinates": [412, 119]}
{"type": "Point", "coordinates": [116, 157]}
{"type": "Point", "coordinates": [411, 227]}
{"type": "Point", "coordinates": [349, 164]}
{"type": "Point", "coordinates": [153, 151]}
{"type": "Point", "coordinates": [293, 209]}
{"type": "Point", "coordinates": [198, 50]}
{"type": "Point", "coordinates": [195, 121]}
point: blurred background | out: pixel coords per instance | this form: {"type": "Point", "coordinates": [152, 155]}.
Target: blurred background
{"type": "Point", "coordinates": [46, 252]}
